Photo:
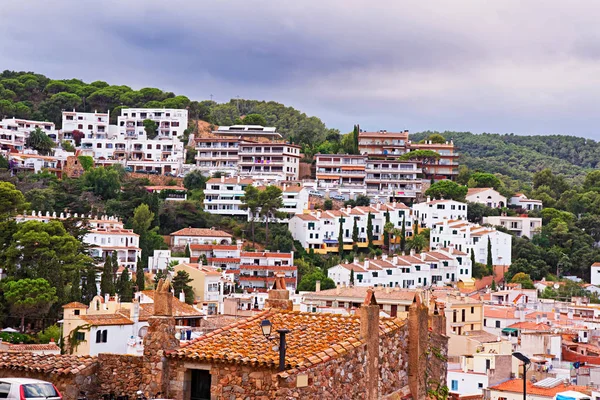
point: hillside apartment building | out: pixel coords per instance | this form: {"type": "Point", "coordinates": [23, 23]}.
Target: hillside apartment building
{"type": "Point", "coordinates": [14, 132]}
{"type": "Point", "coordinates": [251, 151]}
{"type": "Point", "coordinates": [127, 142]}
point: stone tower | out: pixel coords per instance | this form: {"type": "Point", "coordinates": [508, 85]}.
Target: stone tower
{"type": "Point", "coordinates": [279, 296]}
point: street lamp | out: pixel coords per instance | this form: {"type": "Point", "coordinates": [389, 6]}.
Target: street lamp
{"type": "Point", "coordinates": [526, 362]}
{"type": "Point", "coordinates": [267, 327]}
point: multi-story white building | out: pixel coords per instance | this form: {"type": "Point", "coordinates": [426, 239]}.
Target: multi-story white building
{"type": "Point", "coordinates": [438, 267]}
{"type": "Point", "coordinates": [217, 155]}
{"type": "Point", "coordinates": [273, 161]}
{"type": "Point", "coordinates": [319, 230]}
{"type": "Point", "coordinates": [224, 196]}
{"type": "Point", "coordinates": [129, 145]}
{"type": "Point", "coordinates": [486, 196]}
{"type": "Point", "coordinates": [336, 171]}
{"type": "Point", "coordinates": [93, 125]}
{"type": "Point", "coordinates": [105, 236]}
{"type": "Point", "coordinates": [465, 236]}
{"type": "Point", "coordinates": [519, 200]}
{"type": "Point", "coordinates": [258, 270]}
{"type": "Point", "coordinates": [14, 132]}
{"type": "Point", "coordinates": [521, 226]}
{"type": "Point", "coordinates": [36, 163]}
{"type": "Point", "coordinates": [433, 211]}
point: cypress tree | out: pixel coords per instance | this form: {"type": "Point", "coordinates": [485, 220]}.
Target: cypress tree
{"type": "Point", "coordinates": [106, 280]}
{"type": "Point", "coordinates": [386, 237]}
{"type": "Point", "coordinates": [188, 253]}
{"type": "Point", "coordinates": [355, 137]}
{"type": "Point", "coordinates": [90, 288]}
{"type": "Point", "coordinates": [115, 267]}
{"type": "Point", "coordinates": [125, 286]}
{"type": "Point", "coordinates": [355, 236]}
{"type": "Point", "coordinates": [76, 286]}
{"type": "Point", "coordinates": [490, 259]}
{"type": "Point", "coordinates": [351, 277]}
{"type": "Point", "coordinates": [370, 230]}
{"type": "Point", "coordinates": [140, 279]}
{"type": "Point", "coordinates": [403, 233]}
{"type": "Point", "coordinates": [341, 238]}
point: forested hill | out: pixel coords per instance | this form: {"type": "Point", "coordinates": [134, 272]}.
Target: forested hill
{"type": "Point", "coordinates": [34, 96]}
{"type": "Point", "coordinates": [519, 157]}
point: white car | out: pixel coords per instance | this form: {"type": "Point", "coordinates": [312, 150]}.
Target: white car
{"type": "Point", "coordinates": [25, 388]}
{"type": "Point", "coordinates": [315, 193]}
{"type": "Point", "coordinates": [338, 197]}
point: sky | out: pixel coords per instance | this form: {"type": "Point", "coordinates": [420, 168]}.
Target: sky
{"type": "Point", "coordinates": [527, 67]}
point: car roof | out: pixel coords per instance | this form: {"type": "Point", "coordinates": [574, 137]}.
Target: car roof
{"type": "Point", "coordinates": [22, 380]}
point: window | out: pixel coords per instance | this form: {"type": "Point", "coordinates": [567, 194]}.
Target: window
{"type": "Point", "coordinates": [4, 390]}
{"type": "Point", "coordinates": [464, 313]}
{"type": "Point", "coordinates": [76, 312]}
{"type": "Point", "coordinates": [104, 336]}
{"type": "Point", "coordinates": [80, 336]}
{"type": "Point", "coordinates": [480, 385]}
{"type": "Point", "coordinates": [497, 324]}
{"type": "Point", "coordinates": [454, 385]}
{"type": "Point", "coordinates": [98, 336]}
{"type": "Point", "coordinates": [472, 310]}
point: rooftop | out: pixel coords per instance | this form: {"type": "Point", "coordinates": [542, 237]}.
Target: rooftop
{"type": "Point", "coordinates": [516, 386]}
{"type": "Point", "coordinates": [200, 232]}
{"type": "Point", "coordinates": [360, 292]}
{"type": "Point", "coordinates": [313, 338]}
{"type": "Point", "coordinates": [47, 364]}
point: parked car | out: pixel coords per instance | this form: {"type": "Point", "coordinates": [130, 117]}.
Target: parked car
{"type": "Point", "coordinates": [338, 197]}
{"type": "Point", "coordinates": [128, 169]}
{"type": "Point", "coordinates": [25, 388]}
{"type": "Point", "coordinates": [315, 193]}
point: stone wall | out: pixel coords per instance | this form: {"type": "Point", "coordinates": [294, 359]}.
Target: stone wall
{"type": "Point", "coordinates": [338, 378]}
{"type": "Point", "coordinates": [69, 385]}
{"type": "Point", "coordinates": [119, 374]}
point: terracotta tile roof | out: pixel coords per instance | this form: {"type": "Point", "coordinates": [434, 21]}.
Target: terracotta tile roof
{"type": "Point", "coordinates": [401, 135]}
{"type": "Point", "coordinates": [530, 326]}
{"type": "Point", "coordinates": [75, 304]}
{"type": "Point", "coordinates": [223, 260]}
{"type": "Point", "coordinates": [482, 336]}
{"type": "Point", "coordinates": [360, 292]}
{"type": "Point", "coordinates": [313, 338]}
{"type": "Point", "coordinates": [180, 309]}
{"type": "Point", "coordinates": [206, 247]}
{"type": "Point", "coordinates": [499, 312]}
{"type": "Point", "coordinates": [106, 319]}
{"type": "Point", "coordinates": [353, 267]}
{"type": "Point", "coordinates": [293, 189]}
{"type": "Point", "coordinates": [473, 191]}
{"type": "Point", "coordinates": [596, 264]}
{"type": "Point", "coordinates": [265, 254]}
{"type": "Point", "coordinates": [306, 217]}
{"type": "Point", "coordinates": [47, 364]}
{"type": "Point", "coordinates": [200, 232]}
{"type": "Point", "coordinates": [516, 386]}
{"type": "Point", "coordinates": [32, 347]}
{"type": "Point", "coordinates": [454, 251]}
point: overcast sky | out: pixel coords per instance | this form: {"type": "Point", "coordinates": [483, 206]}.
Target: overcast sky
{"type": "Point", "coordinates": [528, 67]}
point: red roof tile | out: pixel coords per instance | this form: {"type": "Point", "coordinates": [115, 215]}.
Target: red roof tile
{"type": "Point", "coordinates": [75, 304]}
{"type": "Point", "coordinates": [200, 232]}
{"type": "Point", "coordinates": [48, 363]}
{"type": "Point", "coordinates": [516, 386]}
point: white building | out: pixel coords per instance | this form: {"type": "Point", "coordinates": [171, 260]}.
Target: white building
{"type": "Point", "coordinates": [486, 196]}
{"type": "Point", "coordinates": [93, 125]}
{"type": "Point", "coordinates": [431, 212]}
{"type": "Point", "coordinates": [521, 201]}
{"type": "Point", "coordinates": [521, 226]}
{"type": "Point", "coordinates": [186, 236]}
{"type": "Point", "coordinates": [128, 143]}
{"type": "Point", "coordinates": [465, 236]}
{"type": "Point", "coordinates": [273, 161]}
{"type": "Point", "coordinates": [320, 230]}
{"type": "Point", "coordinates": [595, 274]}
{"type": "Point", "coordinates": [14, 131]}
{"type": "Point", "coordinates": [161, 259]}
{"type": "Point", "coordinates": [36, 163]}
{"type": "Point", "coordinates": [217, 155]}
{"type": "Point", "coordinates": [410, 271]}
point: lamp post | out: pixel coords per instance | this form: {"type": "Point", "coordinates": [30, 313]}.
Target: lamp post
{"type": "Point", "coordinates": [526, 361]}
{"type": "Point", "coordinates": [267, 327]}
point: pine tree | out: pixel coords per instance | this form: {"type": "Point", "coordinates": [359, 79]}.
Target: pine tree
{"type": "Point", "coordinates": [415, 228]}
{"type": "Point", "coordinates": [181, 283]}
{"type": "Point", "coordinates": [76, 286]}
{"type": "Point", "coordinates": [160, 274]}
{"type": "Point", "coordinates": [403, 234]}
{"type": "Point", "coordinates": [472, 259]}
{"type": "Point", "coordinates": [490, 258]}
{"type": "Point", "coordinates": [140, 278]}
{"type": "Point", "coordinates": [188, 253]}
{"type": "Point", "coordinates": [90, 288]}
{"type": "Point", "coordinates": [125, 287]}
{"type": "Point", "coordinates": [106, 280]}
{"type": "Point", "coordinates": [355, 236]}
{"type": "Point", "coordinates": [370, 230]}
{"type": "Point", "coordinates": [341, 238]}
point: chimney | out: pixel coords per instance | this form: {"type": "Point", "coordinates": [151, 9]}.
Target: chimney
{"type": "Point", "coordinates": [570, 314]}
{"type": "Point", "coordinates": [238, 179]}
{"type": "Point", "coordinates": [317, 286]}
{"type": "Point", "coordinates": [106, 299]}
{"type": "Point", "coordinates": [338, 291]}
{"type": "Point", "coordinates": [182, 297]}
{"type": "Point", "coordinates": [428, 199]}
{"type": "Point", "coordinates": [412, 252]}
{"type": "Point", "coordinates": [279, 295]}
{"type": "Point", "coordinates": [222, 179]}
{"type": "Point", "coordinates": [348, 209]}
{"type": "Point", "coordinates": [366, 264]}
{"type": "Point", "coordinates": [395, 260]}
{"type": "Point", "coordinates": [369, 333]}
{"type": "Point", "coordinates": [384, 257]}
{"type": "Point", "coordinates": [135, 313]}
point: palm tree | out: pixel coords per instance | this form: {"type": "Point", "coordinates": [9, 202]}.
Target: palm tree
{"type": "Point", "coordinates": [270, 202]}
{"type": "Point", "coordinates": [388, 228]}
{"type": "Point", "coordinates": [417, 243]}
{"type": "Point", "coordinates": [250, 202]}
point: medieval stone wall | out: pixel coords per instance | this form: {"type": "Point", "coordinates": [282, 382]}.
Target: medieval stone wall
{"type": "Point", "coordinates": [119, 374]}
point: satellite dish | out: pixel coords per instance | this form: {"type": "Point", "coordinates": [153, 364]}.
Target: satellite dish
{"type": "Point", "coordinates": [556, 286]}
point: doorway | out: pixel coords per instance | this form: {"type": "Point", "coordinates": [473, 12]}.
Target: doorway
{"type": "Point", "coordinates": [200, 388]}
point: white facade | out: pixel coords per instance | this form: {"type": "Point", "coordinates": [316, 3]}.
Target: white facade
{"type": "Point", "coordinates": [433, 211]}
{"type": "Point", "coordinates": [466, 383]}
{"type": "Point", "coordinates": [595, 274]}
{"type": "Point", "coordinates": [521, 226]}
{"type": "Point", "coordinates": [14, 131]}
{"type": "Point", "coordinates": [273, 161]}
{"type": "Point", "coordinates": [161, 259]}
{"type": "Point", "coordinates": [464, 236]}
{"type": "Point", "coordinates": [93, 125]}
{"type": "Point", "coordinates": [393, 179]}
{"type": "Point", "coordinates": [411, 271]}
{"type": "Point", "coordinates": [116, 338]}
{"type": "Point", "coordinates": [217, 155]}
{"type": "Point", "coordinates": [320, 230]}
{"type": "Point", "coordinates": [486, 196]}
{"type": "Point", "coordinates": [521, 201]}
